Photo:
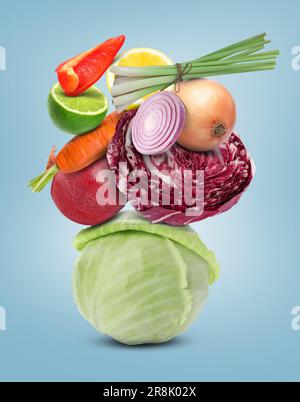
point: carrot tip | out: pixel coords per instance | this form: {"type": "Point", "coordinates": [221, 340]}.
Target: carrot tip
{"type": "Point", "coordinates": [51, 158]}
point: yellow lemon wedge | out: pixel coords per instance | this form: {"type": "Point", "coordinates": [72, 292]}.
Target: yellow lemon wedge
{"type": "Point", "coordinates": [138, 57]}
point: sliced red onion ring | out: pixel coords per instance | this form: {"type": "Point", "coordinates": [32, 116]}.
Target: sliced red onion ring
{"type": "Point", "coordinates": [158, 123]}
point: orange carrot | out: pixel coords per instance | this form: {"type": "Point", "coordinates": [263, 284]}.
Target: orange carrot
{"type": "Point", "coordinates": [85, 149]}
{"type": "Point", "coordinates": [78, 153]}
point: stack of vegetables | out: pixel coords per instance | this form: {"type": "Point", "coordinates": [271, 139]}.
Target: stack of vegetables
{"type": "Point", "coordinates": [139, 280]}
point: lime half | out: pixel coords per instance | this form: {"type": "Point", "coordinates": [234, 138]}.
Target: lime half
{"type": "Point", "coordinates": [77, 114]}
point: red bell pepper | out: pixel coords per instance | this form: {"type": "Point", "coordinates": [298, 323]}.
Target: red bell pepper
{"type": "Point", "coordinates": [78, 74]}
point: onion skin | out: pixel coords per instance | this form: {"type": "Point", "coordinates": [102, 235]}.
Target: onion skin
{"type": "Point", "coordinates": [210, 114]}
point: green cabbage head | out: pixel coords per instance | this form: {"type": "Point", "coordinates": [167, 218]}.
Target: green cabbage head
{"type": "Point", "coordinates": [140, 282]}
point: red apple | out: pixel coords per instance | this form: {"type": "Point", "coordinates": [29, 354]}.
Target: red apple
{"type": "Point", "coordinates": [78, 195]}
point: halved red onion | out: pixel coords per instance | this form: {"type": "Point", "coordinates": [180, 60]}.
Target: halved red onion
{"type": "Point", "coordinates": [158, 123]}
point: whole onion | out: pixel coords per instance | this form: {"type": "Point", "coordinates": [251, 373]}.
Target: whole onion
{"type": "Point", "coordinates": [210, 114]}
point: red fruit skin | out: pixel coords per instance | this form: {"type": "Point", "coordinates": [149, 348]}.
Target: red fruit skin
{"type": "Point", "coordinates": [78, 74]}
{"type": "Point", "coordinates": [75, 195]}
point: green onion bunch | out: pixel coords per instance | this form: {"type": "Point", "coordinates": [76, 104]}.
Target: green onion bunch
{"type": "Point", "coordinates": [133, 83]}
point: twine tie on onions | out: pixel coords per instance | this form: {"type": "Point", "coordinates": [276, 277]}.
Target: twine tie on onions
{"type": "Point", "coordinates": [181, 72]}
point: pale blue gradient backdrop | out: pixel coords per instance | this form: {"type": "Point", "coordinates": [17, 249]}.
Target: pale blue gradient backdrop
{"type": "Point", "coordinates": [245, 330]}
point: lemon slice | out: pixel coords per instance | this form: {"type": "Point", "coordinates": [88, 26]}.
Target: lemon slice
{"type": "Point", "coordinates": [138, 57]}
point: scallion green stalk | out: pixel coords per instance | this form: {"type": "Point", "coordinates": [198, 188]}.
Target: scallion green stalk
{"type": "Point", "coordinates": [133, 83]}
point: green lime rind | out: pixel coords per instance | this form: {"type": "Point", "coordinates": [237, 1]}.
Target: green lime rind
{"type": "Point", "coordinates": [132, 221]}
{"type": "Point", "coordinates": [77, 115]}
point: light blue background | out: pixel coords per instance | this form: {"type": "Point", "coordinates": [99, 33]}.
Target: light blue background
{"type": "Point", "coordinates": [245, 332]}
